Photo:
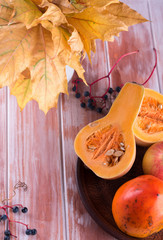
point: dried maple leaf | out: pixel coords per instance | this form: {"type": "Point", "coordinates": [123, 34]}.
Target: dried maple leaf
{"type": "Point", "coordinates": [38, 38]}
{"type": "Point", "coordinates": [25, 11]}
{"type": "Point", "coordinates": [22, 89]}
{"type": "Point", "coordinates": [65, 6]}
{"type": "Point", "coordinates": [52, 14]}
{"type": "Point", "coordinates": [124, 13]}
{"type": "Point", "coordinates": [48, 72]}
{"type": "Point", "coordinates": [16, 50]}
{"type": "Point", "coordinates": [93, 25]}
{"type": "Point", "coordinates": [82, 4]}
{"type": "Point", "coordinates": [104, 23]}
{"type": "Point", "coordinates": [6, 10]}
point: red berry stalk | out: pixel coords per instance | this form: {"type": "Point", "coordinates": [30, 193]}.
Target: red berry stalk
{"type": "Point", "coordinates": [92, 98]}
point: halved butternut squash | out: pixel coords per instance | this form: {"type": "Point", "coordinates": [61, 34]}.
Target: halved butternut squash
{"type": "Point", "coordinates": [107, 146]}
{"type": "Point", "coordinates": [148, 126]}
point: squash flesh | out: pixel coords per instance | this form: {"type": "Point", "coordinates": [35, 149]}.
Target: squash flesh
{"type": "Point", "coordinates": [148, 126]}
{"type": "Point", "coordinates": [107, 145]}
{"type": "Point", "coordinates": [97, 138]}
{"type": "Point", "coordinates": [150, 117]}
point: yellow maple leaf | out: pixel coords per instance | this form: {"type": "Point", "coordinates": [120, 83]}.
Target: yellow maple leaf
{"type": "Point", "coordinates": [65, 6]}
{"type": "Point", "coordinates": [25, 11]}
{"type": "Point", "coordinates": [75, 63]}
{"type": "Point", "coordinates": [52, 14]}
{"type": "Point", "coordinates": [48, 73]}
{"type": "Point", "coordinates": [6, 10]}
{"type": "Point", "coordinates": [125, 14]}
{"type": "Point", "coordinates": [82, 4]}
{"type": "Point", "coordinates": [93, 25]}
{"type": "Point", "coordinates": [47, 67]}
{"type": "Point", "coordinates": [38, 38]}
{"type": "Point", "coordinates": [57, 18]}
{"type": "Point", "coordinates": [16, 48]}
{"type": "Point", "coordinates": [22, 89]}
{"type": "Point", "coordinates": [103, 23]}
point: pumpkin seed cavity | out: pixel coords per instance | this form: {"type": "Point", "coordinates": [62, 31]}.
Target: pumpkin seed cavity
{"type": "Point", "coordinates": [107, 145]}
{"type": "Point", "coordinates": [150, 117]}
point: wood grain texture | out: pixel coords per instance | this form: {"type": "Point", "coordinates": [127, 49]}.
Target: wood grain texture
{"type": "Point", "coordinates": [38, 149]}
{"type": "Point", "coordinates": [156, 14]}
{"type": "Point", "coordinates": [34, 158]}
{"type": "Point", "coordinates": [3, 151]}
{"type": "Point", "coordinates": [135, 67]}
{"type": "Point", "coordinates": [79, 224]}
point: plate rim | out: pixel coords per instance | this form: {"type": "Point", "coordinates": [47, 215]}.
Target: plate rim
{"type": "Point", "coordinates": [90, 211]}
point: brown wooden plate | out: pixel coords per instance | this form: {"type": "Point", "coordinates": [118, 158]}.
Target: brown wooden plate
{"type": "Point", "coordinates": [97, 195]}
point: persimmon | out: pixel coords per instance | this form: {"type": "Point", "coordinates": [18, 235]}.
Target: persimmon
{"type": "Point", "coordinates": [137, 206]}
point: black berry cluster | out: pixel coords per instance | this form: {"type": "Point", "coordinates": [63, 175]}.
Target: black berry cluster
{"type": "Point", "coordinates": [15, 209]}
{"type": "Point", "coordinates": [87, 100]}
{"type": "Point", "coordinates": [98, 103]}
{"type": "Point", "coordinates": [31, 232]}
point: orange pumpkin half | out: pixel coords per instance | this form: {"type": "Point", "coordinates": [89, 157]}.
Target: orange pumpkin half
{"type": "Point", "coordinates": [107, 146]}
{"type": "Point", "coordinates": [148, 126]}
{"type": "Point", "coordinates": [137, 206]}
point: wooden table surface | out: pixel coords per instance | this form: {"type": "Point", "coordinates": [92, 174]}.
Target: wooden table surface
{"type": "Point", "coordinates": [38, 149]}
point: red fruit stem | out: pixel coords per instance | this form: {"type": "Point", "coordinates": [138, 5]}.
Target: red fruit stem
{"type": "Point", "coordinates": [11, 221]}
{"type": "Point", "coordinates": [108, 76]}
{"type": "Point", "coordinates": [124, 55]}
{"type": "Point", "coordinates": [17, 205]}
{"type": "Point", "coordinates": [19, 223]}
{"type": "Point", "coordinates": [152, 69]}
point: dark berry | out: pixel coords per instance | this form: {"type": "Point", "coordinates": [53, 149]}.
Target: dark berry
{"type": "Point", "coordinates": [6, 238]}
{"type": "Point", "coordinates": [33, 231]}
{"type": "Point", "coordinates": [89, 104]}
{"type": "Point", "coordinates": [106, 97]}
{"type": "Point", "coordinates": [90, 100]}
{"type": "Point", "coordinates": [28, 232]}
{"type": "Point", "coordinates": [82, 105]}
{"type": "Point", "coordinates": [24, 210]}
{"type": "Point", "coordinates": [118, 89]}
{"type": "Point", "coordinates": [99, 110]}
{"type": "Point", "coordinates": [77, 95]}
{"type": "Point", "coordinates": [15, 209]}
{"type": "Point", "coordinates": [86, 94]}
{"type": "Point", "coordinates": [4, 217]}
{"type": "Point", "coordinates": [92, 107]}
{"type": "Point", "coordinates": [74, 88]}
{"type": "Point", "coordinates": [110, 90]}
{"type": "Point", "coordinates": [7, 232]}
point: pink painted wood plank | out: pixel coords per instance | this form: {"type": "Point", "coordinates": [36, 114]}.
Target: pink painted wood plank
{"type": "Point", "coordinates": [79, 224]}
{"type": "Point", "coordinates": [34, 158]}
{"type": "Point", "coordinates": [3, 152]}
{"type": "Point", "coordinates": [135, 67]}
{"type": "Point", "coordinates": [156, 13]}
